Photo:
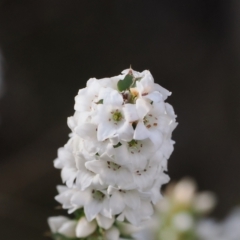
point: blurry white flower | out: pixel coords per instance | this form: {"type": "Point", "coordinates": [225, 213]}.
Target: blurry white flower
{"type": "Point", "coordinates": [109, 172]}
{"type": "Point", "coordinates": [154, 121]}
{"type": "Point", "coordinates": [112, 234]}
{"type": "Point", "coordinates": [228, 229]}
{"type": "Point", "coordinates": [204, 202]}
{"type": "Point", "coordinates": [63, 225]}
{"type": "Point", "coordinates": [104, 222]}
{"type": "Point", "coordinates": [183, 221]}
{"type": "Point", "coordinates": [94, 202]}
{"type": "Point", "coordinates": [184, 191]}
{"type": "Point", "coordinates": [133, 154]}
{"type": "Point", "coordinates": [120, 198]}
{"type": "Point", "coordinates": [114, 119]}
{"type": "Point", "coordinates": [85, 228]}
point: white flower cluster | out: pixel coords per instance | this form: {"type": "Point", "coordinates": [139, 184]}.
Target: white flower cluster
{"type": "Point", "coordinates": [177, 215]}
{"type": "Point", "coordinates": [228, 229]}
{"type": "Point", "coordinates": [114, 162]}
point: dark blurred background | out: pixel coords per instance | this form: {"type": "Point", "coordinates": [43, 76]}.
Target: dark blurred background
{"type": "Point", "coordinates": [50, 48]}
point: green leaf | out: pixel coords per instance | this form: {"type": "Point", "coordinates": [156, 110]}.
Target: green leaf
{"type": "Point", "coordinates": [125, 83]}
{"type": "Point", "coordinates": [135, 80]}
{"type": "Point", "coordinates": [100, 101]}
{"type": "Point", "coordinates": [79, 213]}
{"type": "Point", "coordinates": [117, 145]}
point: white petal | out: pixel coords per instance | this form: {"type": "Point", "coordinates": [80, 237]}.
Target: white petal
{"type": "Point", "coordinates": [132, 216]}
{"type": "Point", "coordinates": [143, 107]}
{"type": "Point", "coordinates": [113, 141]}
{"type": "Point", "coordinates": [120, 217]}
{"type": "Point", "coordinates": [158, 109]}
{"type": "Point", "coordinates": [156, 189]}
{"type": "Point", "coordinates": [92, 209]}
{"type": "Point", "coordinates": [116, 203]}
{"type": "Point", "coordinates": [56, 222]}
{"type": "Point", "coordinates": [162, 90]}
{"type": "Point", "coordinates": [68, 175]}
{"type": "Point", "coordinates": [104, 222]}
{"type": "Point", "coordinates": [58, 163]}
{"type": "Point", "coordinates": [146, 210]}
{"type": "Point", "coordinates": [135, 73]}
{"type": "Point", "coordinates": [85, 228]}
{"type": "Point", "coordinates": [120, 154]}
{"type": "Point", "coordinates": [80, 198]}
{"type": "Point", "coordinates": [156, 137]}
{"type": "Point", "coordinates": [61, 188]}
{"type": "Point", "coordinates": [155, 96]}
{"type": "Point", "coordinates": [167, 148]}
{"type": "Point", "coordinates": [105, 131]}
{"type": "Point", "coordinates": [113, 97]}
{"type": "Point", "coordinates": [104, 94]}
{"type": "Point", "coordinates": [170, 110]}
{"type": "Point", "coordinates": [71, 122]}
{"type": "Point", "coordinates": [140, 132]}
{"type": "Point", "coordinates": [86, 131]}
{"type": "Point", "coordinates": [126, 132]}
{"type": "Point", "coordinates": [68, 229]}
{"type": "Point", "coordinates": [95, 166]}
{"type": "Point", "coordinates": [84, 179]}
{"type": "Point", "coordinates": [112, 234]}
{"type": "Point", "coordinates": [132, 199]}
{"type": "Point", "coordinates": [130, 112]}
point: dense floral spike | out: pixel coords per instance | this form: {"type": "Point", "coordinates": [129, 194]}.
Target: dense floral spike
{"type": "Point", "coordinates": [113, 164]}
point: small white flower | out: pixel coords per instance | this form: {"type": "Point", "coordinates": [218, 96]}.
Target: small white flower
{"type": "Point", "coordinates": [204, 202]}
{"type": "Point", "coordinates": [66, 162]}
{"type": "Point", "coordinates": [136, 216]}
{"type": "Point", "coordinates": [155, 189]}
{"type": "Point", "coordinates": [120, 198]}
{"type": "Point", "coordinates": [55, 223]}
{"type": "Point", "coordinates": [183, 221]}
{"type": "Point", "coordinates": [63, 225]}
{"type": "Point", "coordinates": [112, 234]}
{"type": "Point", "coordinates": [88, 132]}
{"type": "Point", "coordinates": [109, 172]}
{"type": "Point", "coordinates": [154, 122]}
{"type": "Point", "coordinates": [87, 97]}
{"type": "Point", "coordinates": [94, 201]}
{"type": "Point", "coordinates": [85, 177]}
{"type": "Point", "coordinates": [184, 191]}
{"type": "Point", "coordinates": [64, 197]}
{"type": "Point", "coordinates": [114, 119]}
{"type": "Point", "coordinates": [85, 228]}
{"type": "Point", "coordinates": [105, 222]}
{"type": "Point", "coordinates": [144, 178]}
{"type": "Point", "coordinates": [133, 154]}
{"type": "Point", "coordinates": [146, 88]}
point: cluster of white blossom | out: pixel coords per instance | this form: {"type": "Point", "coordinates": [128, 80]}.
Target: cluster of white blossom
{"type": "Point", "coordinates": [228, 229]}
{"type": "Point", "coordinates": [177, 215]}
{"type": "Point", "coordinates": [115, 160]}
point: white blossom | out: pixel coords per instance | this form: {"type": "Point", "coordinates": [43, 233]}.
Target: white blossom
{"type": "Point", "coordinates": [63, 225]}
{"type": "Point", "coordinates": [114, 161]}
{"type": "Point", "coordinates": [228, 229]}
{"type": "Point", "coordinates": [85, 228]}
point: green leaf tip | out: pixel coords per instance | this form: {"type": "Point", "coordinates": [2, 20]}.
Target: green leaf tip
{"type": "Point", "coordinates": [125, 83]}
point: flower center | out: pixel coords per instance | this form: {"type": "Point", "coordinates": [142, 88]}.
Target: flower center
{"type": "Point", "coordinates": [135, 146]}
{"type": "Point", "coordinates": [113, 166]}
{"type": "Point", "coordinates": [117, 116]}
{"type": "Point", "coordinates": [150, 121]}
{"type": "Point", "coordinates": [98, 195]}
{"type": "Point", "coordinates": [133, 143]}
